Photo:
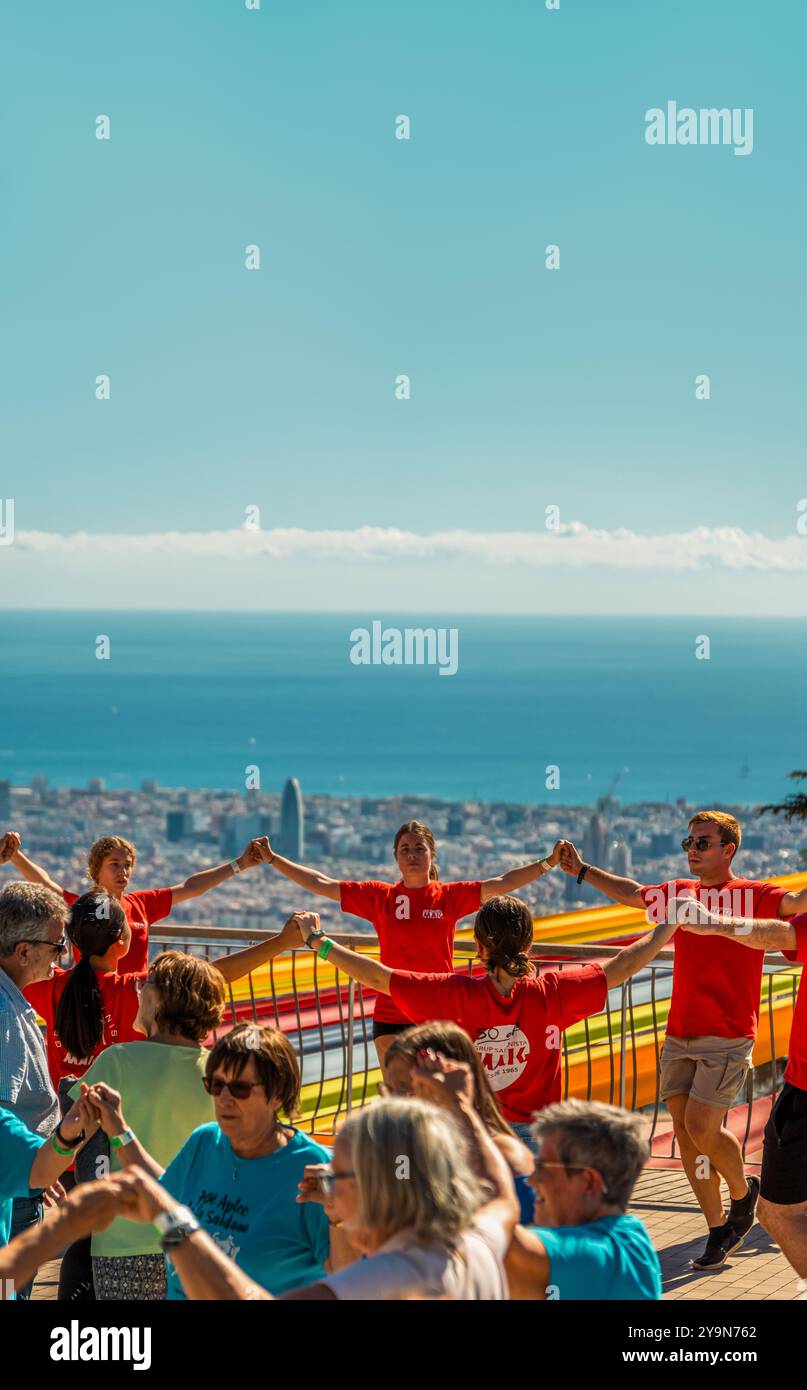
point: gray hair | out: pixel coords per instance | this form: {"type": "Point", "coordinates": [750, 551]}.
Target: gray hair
{"type": "Point", "coordinates": [25, 910]}
{"type": "Point", "coordinates": [413, 1170]}
{"type": "Point", "coordinates": [589, 1134]}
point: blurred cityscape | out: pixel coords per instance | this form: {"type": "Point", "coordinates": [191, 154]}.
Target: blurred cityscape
{"type": "Point", "coordinates": [178, 832]}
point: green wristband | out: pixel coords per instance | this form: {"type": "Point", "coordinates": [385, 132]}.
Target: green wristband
{"type": "Point", "coordinates": [65, 1153]}
{"type": "Point", "coordinates": [325, 949]}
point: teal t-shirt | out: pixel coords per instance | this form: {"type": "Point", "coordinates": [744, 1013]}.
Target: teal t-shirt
{"type": "Point", "coordinates": [18, 1149]}
{"type": "Point", "coordinates": [248, 1206]}
{"type": "Point", "coordinates": [609, 1259]}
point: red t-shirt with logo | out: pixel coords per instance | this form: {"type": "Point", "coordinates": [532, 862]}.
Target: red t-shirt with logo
{"type": "Point", "coordinates": [415, 926]}
{"type": "Point", "coordinates": [120, 1000]}
{"type": "Point", "coordinates": [142, 910]}
{"type": "Point", "coordinates": [716, 981]}
{"type": "Point", "coordinates": [796, 1069]}
{"type": "Point", "coordinates": [518, 1038]}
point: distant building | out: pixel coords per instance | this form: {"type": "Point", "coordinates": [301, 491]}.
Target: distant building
{"type": "Point", "coordinates": [595, 842]}
{"type": "Point", "coordinates": [237, 831]}
{"type": "Point", "coordinates": [96, 786]}
{"type": "Point", "coordinates": [622, 860]}
{"type": "Point", "coordinates": [291, 841]}
{"type": "Point", "coordinates": [179, 825]}
{"type": "Point", "coordinates": [662, 843]}
{"type": "Point", "coordinates": [456, 825]}
{"type": "Point", "coordinates": [149, 786]}
{"type": "Point", "coordinates": [5, 802]}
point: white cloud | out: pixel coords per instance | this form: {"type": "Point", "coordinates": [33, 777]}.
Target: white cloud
{"type": "Point", "coordinates": [574, 546]}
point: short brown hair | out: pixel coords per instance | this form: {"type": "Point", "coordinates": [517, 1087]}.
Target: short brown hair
{"type": "Point", "coordinates": [192, 994]}
{"type": "Point", "coordinates": [729, 827]}
{"type": "Point", "coordinates": [274, 1057]}
{"type": "Point", "coordinates": [99, 851]}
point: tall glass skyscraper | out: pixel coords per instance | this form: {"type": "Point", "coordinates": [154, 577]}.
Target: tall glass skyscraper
{"type": "Point", "coordinates": [291, 821]}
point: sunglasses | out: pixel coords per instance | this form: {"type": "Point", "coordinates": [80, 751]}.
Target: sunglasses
{"type": "Point", "coordinates": [57, 947]}
{"type": "Point", "coordinates": [239, 1090]}
{"type": "Point", "coordinates": [703, 842]}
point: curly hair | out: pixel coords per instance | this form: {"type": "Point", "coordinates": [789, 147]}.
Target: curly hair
{"type": "Point", "coordinates": [191, 994]}
{"type": "Point", "coordinates": [98, 852]}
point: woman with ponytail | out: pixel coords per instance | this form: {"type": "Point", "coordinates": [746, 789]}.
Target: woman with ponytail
{"type": "Point", "coordinates": [514, 1016]}
{"type": "Point", "coordinates": [416, 917]}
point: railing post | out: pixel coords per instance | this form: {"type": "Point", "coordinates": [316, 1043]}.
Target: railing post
{"type": "Point", "coordinates": [623, 1044]}
{"type": "Point", "coordinates": [351, 1000]}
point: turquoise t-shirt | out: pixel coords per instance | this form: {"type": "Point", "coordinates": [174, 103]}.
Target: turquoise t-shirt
{"type": "Point", "coordinates": [248, 1206]}
{"type": "Point", "coordinates": [18, 1149]}
{"type": "Point", "coordinates": [609, 1259]}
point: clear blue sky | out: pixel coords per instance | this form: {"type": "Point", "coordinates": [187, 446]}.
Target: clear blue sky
{"type": "Point", "coordinates": [383, 256]}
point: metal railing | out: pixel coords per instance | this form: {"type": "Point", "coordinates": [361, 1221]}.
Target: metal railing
{"type": "Point", "coordinates": [611, 1056]}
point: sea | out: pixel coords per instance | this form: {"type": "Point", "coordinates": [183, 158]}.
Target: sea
{"type": "Point", "coordinates": [540, 710]}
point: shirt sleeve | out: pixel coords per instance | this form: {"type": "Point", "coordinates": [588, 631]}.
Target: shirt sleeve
{"type": "Point", "coordinates": [464, 898]}
{"type": "Point", "coordinates": [799, 925]}
{"type": "Point", "coordinates": [493, 1233]}
{"type": "Point", "coordinates": [582, 991]}
{"type": "Point", "coordinates": [575, 1259]}
{"type": "Point", "coordinates": [422, 996]}
{"type": "Point", "coordinates": [360, 899]}
{"type": "Point", "coordinates": [69, 897]}
{"type": "Point", "coordinates": [767, 902]}
{"type": "Point", "coordinates": [375, 1279]}
{"type": "Point", "coordinates": [156, 903]}
{"type": "Point", "coordinates": [18, 1149]}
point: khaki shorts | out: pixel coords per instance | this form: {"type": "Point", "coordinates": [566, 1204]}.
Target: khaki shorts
{"type": "Point", "coordinates": [710, 1070]}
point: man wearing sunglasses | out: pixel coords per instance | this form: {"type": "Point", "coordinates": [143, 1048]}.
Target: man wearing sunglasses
{"type": "Point", "coordinates": [713, 1017]}
{"type": "Point", "coordinates": [32, 937]}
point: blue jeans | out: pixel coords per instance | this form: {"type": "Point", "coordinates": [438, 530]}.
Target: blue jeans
{"type": "Point", "coordinates": [26, 1212]}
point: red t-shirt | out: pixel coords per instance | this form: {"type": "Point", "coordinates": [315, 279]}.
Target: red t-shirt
{"type": "Point", "coordinates": [142, 910]}
{"type": "Point", "coordinates": [518, 1038]}
{"type": "Point", "coordinates": [120, 1000]}
{"type": "Point", "coordinates": [796, 1069]}
{"type": "Point", "coordinates": [716, 981]}
{"type": "Point", "coordinates": [415, 926]}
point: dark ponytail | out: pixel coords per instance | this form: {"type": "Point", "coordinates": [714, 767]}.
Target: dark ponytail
{"type": "Point", "coordinates": [96, 923]}
{"type": "Point", "coordinates": [504, 927]}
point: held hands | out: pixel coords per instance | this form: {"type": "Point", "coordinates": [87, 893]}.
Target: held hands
{"type": "Point", "coordinates": [256, 852]}
{"type": "Point", "coordinates": [568, 858]}
{"type": "Point", "coordinates": [9, 846]}
{"type": "Point", "coordinates": [690, 914]}
{"type": "Point", "coordinates": [106, 1105]}
{"type": "Point", "coordinates": [299, 927]}
{"type": "Point", "coordinates": [554, 858]}
{"type": "Point", "coordinates": [81, 1117]}
{"type": "Point", "coordinates": [312, 1189]}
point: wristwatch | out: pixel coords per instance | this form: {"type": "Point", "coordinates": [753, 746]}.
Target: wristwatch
{"type": "Point", "coordinates": [584, 870]}
{"type": "Point", "coordinates": [175, 1226]}
{"type": "Point", "coordinates": [313, 938]}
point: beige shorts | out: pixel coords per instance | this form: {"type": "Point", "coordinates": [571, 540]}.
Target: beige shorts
{"type": "Point", "coordinates": [710, 1070]}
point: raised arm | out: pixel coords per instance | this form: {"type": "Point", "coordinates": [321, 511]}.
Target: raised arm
{"type": "Point", "coordinates": [517, 878]}
{"type": "Point", "coordinates": [206, 879]}
{"type": "Point", "coordinates": [764, 935]}
{"type": "Point", "coordinates": [362, 968]}
{"type": "Point", "coordinates": [793, 903]}
{"type": "Point", "coordinates": [239, 963]}
{"type": "Point", "coordinates": [620, 890]}
{"type": "Point", "coordinates": [309, 879]}
{"type": "Point", "coordinates": [527, 1266]}
{"type": "Point", "coordinates": [635, 957]}
{"type": "Point", "coordinates": [10, 853]}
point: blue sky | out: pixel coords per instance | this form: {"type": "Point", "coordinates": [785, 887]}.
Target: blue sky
{"type": "Point", "coordinates": [381, 256]}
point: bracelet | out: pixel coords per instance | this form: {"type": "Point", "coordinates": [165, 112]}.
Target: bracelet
{"type": "Point", "coordinates": [546, 866]}
{"type": "Point", "coordinates": [71, 1145]}
{"type": "Point", "coordinates": [326, 948]}
{"type": "Point", "coordinates": [119, 1141]}
{"type": "Point", "coordinates": [235, 866]}
{"type": "Point", "coordinates": [583, 872]}
{"type": "Point", "coordinates": [65, 1153]}
{"type": "Point", "coordinates": [314, 936]}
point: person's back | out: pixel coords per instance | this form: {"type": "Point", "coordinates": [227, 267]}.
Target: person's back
{"type": "Point", "coordinates": [163, 1094]}
{"type": "Point", "coordinates": [610, 1259]}
{"type": "Point", "coordinates": [404, 1267]}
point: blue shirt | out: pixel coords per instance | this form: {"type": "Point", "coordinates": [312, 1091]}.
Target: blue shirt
{"type": "Point", "coordinates": [25, 1084]}
{"type": "Point", "coordinates": [18, 1149]}
{"type": "Point", "coordinates": [248, 1206]}
{"type": "Point", "coordinates": [609, 1259]}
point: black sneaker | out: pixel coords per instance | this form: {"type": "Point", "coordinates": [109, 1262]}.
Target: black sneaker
{"type": "Point", "coordinates": [741, 1215]}
{"type": "Point", "coordinates": [722, 1240]}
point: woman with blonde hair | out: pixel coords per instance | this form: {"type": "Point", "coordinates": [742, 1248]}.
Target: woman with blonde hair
{"type": "Point", "coordinates": [110, 864]}
{"type": "Point", "coordinates": [416, 917]}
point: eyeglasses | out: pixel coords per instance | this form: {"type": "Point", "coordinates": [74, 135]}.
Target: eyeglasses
{"type": "Point", "coordinates": [57, 947]}
{"type": "Point", "coordinates": [329, 1176]}
{"type": "Point", "coordinates": [703, 842]}
{"type": "Point", "coordinates": [140, 985]}
{"type": "Point", "coordinates": [542, 1163]}
{"type": "Point", "coordinates": [239, 1090]}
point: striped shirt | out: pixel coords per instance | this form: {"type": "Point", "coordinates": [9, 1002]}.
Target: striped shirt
{"type": "Point", "coordinates": [25, 1084]}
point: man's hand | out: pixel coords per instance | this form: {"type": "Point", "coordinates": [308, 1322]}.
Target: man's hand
{"type": "Point", "coordinates": [569, 859]}
{"type": "Point", "coordinates": [554, 857]}
{"type": "Point", "coordinates": [442, 1081]}
{"type": "Point", "coordinates": [689, 913]}
{"type": "Point", "coordinates": [106, 1104]}
{"type": "Point", "coordinates": [92, 1206]}
{"type": "Point", "coordinates": [254, 854]}
{"type": "Point", "coordinates": [311, 1188]}
{"type": "Point", "coordinates": [9, 845]}
{"type": "Point", "coordinates": [139, 1196]}
{"type": "Point", "coordinates": [54, 1194]}
{"type": "Point", "coordinates": [80, 1117]}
